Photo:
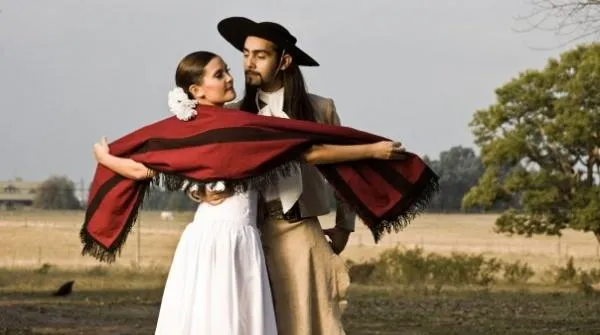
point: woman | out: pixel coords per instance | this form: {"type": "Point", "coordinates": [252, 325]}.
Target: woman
{"type": "Point", "coordinates": [218, 280]}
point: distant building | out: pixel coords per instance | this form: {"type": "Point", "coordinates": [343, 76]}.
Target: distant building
{"type": "Point", "coordinates": [17, 193]}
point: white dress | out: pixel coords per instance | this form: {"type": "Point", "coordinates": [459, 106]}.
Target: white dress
{"type": "Point", "coordinates": [218, 281]}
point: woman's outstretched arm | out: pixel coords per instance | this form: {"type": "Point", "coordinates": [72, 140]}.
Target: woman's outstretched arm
{"type": "Point", "coordinates": [330, 153]}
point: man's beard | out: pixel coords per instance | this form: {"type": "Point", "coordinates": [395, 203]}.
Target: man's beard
{"type": "Point", "coordinates": [251, 78]}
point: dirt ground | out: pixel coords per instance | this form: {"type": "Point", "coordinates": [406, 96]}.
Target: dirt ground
{"type": "Point", "coordinates": [370, 311]}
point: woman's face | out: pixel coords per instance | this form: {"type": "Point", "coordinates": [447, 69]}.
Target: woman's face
{"type": "Point", "coordinates": [217, 85]}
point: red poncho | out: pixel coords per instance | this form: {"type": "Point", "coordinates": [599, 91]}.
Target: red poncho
{"type": "Point", "coordinates": [250, 151]}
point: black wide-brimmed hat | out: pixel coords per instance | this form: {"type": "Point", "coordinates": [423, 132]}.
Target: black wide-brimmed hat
{"type": "Point", "coordinates": [236, 29]}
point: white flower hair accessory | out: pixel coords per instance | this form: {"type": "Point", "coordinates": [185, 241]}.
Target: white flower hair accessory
{"type": "Point", "coordinates": [181, 105]}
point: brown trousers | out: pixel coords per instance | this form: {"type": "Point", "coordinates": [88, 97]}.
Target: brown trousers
{"type": "Point", "coordinates": [309, 282]}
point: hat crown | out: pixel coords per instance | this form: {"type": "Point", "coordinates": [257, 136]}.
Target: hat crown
{"type": "Point", "coordinates": [280, 31]}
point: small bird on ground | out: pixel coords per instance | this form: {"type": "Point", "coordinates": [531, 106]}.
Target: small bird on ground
{"type": "Point", "coordinates": [65, 289]}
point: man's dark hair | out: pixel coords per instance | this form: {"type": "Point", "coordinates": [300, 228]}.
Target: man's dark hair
{"type": "Point", "coordinates": [296, 102]}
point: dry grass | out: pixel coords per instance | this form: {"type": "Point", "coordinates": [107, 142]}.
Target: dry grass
{"type": "Point", "coordinates": [33, 238]}
{"type": "Point", "coordinates": [447, 233]}
{"type": "Point", "coordinates": [30, 239]}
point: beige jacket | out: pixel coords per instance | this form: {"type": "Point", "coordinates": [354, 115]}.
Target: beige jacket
{"type": "Point", "coordinates": [314, 200]}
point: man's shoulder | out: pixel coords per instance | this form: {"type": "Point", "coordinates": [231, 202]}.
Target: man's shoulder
{"type": "Point", "coordinates": [316, 99]}
{"type": "Point", "coordinates": [324, 108]}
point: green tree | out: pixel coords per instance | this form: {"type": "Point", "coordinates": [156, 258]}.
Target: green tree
{"type": "Point", "coordinates": [179, 201]}
{"type": "Point", "coordinates": [545, 128]}
{"type": "Point", "coordinates": [159, 199]}
{"type": "Point", "coordinates": [56, 192]}
{"type": "Point", "coordinates": [156, 198]}
{"type": "Point", "coordinates": [459, 168]}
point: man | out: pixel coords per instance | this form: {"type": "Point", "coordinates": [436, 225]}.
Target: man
{"type": "Point", "coordinates": [309, 281]}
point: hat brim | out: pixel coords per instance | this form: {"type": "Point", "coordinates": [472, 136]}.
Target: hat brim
{"type": "Point", "coordinates": [235, 30]}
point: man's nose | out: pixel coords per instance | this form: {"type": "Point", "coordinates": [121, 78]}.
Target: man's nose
{"type": "Point", "coordinates": [249, 62]}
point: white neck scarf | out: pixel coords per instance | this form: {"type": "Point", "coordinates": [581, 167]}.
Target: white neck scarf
{"type": "Point", "coordinates": [288, 188]}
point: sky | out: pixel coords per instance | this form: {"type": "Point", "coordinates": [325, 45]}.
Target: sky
{"type": "Point", "coordinates": [72, 71]}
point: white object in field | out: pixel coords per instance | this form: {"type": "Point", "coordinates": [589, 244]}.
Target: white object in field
{"type": "Point", "coordinates": [167, 216]}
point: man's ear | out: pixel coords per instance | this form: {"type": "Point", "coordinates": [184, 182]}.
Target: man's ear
{"type": "Point", "coordinates": [286, 62]}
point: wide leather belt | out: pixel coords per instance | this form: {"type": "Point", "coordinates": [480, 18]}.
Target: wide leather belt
{"type": "Point", "coordinates": [275, 211]}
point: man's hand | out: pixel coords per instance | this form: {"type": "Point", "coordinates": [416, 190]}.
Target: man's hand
{"type": "Point", "coordinates": [339, 238]}
{"type": "Point", "coordinates": [216, 197]}
{"type": "Point", "coordinates": [211, 197]}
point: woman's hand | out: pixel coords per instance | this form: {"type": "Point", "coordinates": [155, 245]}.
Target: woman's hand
{"type": "Point", "coordinates": [388, 150]}
{"type": "Point", "coordinates": [101, 149]}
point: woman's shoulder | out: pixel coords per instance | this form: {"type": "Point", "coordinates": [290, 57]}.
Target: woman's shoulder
{"type": "Point", "coordinates": [234, 105]}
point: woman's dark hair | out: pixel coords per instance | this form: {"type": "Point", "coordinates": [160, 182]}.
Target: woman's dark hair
{"type": "Point", "coordinates": [190, 70]}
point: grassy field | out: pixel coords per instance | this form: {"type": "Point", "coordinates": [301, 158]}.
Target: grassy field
{"type": "Point", "coordinates": [124, 299]}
